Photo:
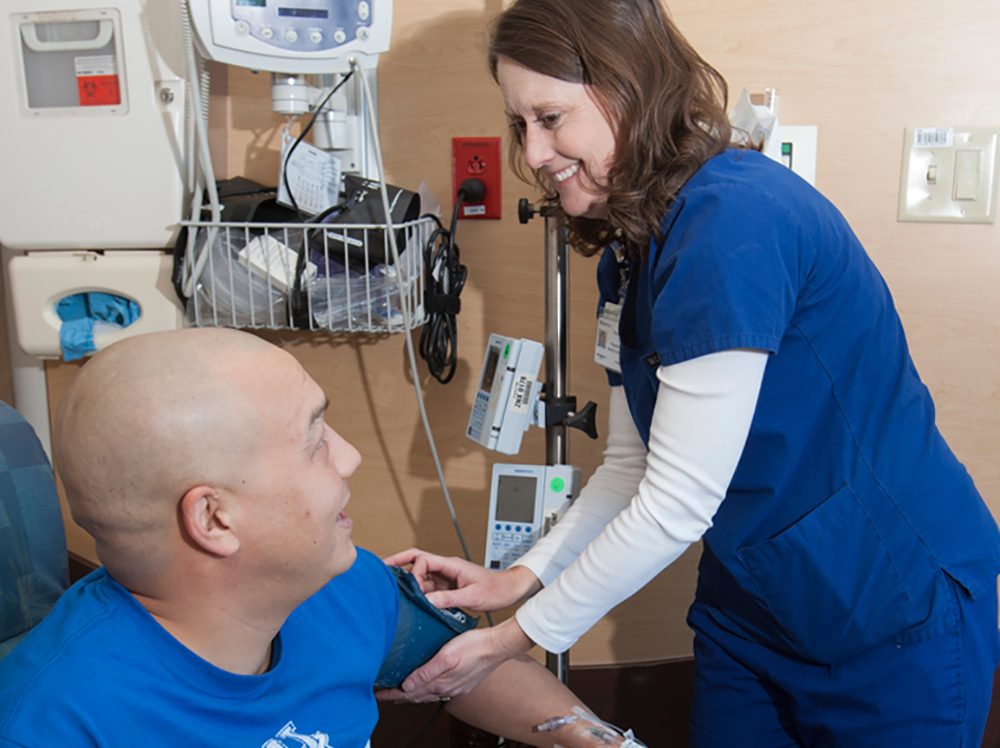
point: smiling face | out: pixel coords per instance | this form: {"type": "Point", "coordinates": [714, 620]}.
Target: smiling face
{"type": "Point", "coordinates": [563, 132]}
{"type": "Point", "coordinates": [298, 487]}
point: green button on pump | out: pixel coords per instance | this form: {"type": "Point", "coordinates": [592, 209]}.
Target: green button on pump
{"type": "Point", "coordinates": [557, 484]}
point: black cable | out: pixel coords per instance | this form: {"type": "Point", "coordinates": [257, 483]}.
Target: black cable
{"type": "Point", "coordinates": [305, 131]}
{"type": "Point", "coordinates": [444, 279]}
{"type": "Point", "coordinates": [299, 311]}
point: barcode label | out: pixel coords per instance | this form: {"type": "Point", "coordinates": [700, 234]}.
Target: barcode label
{"type": "Point", "coordinates": [933, 137]}
{"type": "Point", "coordinates": [521, 394]}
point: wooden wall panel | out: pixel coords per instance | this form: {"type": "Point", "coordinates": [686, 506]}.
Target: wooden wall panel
{"type": "Point", "coordinates": [860, 70]}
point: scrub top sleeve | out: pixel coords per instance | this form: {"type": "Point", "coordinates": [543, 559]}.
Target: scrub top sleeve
{"type": "Point", "coordinates": [727, 274]}
{"type": "Point", "coordinates": [609, 490]}
{"type": "Point", "coordinates": [703, 413]}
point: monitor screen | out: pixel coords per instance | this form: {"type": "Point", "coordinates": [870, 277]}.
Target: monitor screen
{"type": "Point", "coordinates": [304, 12]}
{"type": "Point", "coordinates": [516, 498]}
{"type": "Point", "coordinates": [490, 368]}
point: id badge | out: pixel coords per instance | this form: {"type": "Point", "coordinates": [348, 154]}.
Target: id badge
{"type": "Point", "coordinates": [606, 347]}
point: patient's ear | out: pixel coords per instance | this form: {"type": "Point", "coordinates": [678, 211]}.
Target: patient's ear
{"type": "Point", "coordinates": [207, 522]}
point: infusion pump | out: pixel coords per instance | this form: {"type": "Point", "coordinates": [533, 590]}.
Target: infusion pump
{"type": "Point", "coordinates": [507, 398]}
{"type": "Point", "coordinates": [526, 501]}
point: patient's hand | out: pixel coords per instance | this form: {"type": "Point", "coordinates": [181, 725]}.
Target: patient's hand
{"type": "Point", "coordinates": [454, 582]}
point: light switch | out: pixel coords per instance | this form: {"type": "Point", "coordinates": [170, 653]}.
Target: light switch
{"type": "Point", "coordinates": [967, 174]}
{"type": "Point", "coordinates": [950, 174]}
{"type": "Point", "coordinates": [798, 149]}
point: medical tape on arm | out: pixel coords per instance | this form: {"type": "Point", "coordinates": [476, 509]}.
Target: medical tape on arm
{"type": "Point", "coordinates": [580, 729]}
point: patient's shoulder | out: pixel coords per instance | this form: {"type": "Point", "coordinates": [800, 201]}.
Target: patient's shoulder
{"type": "Point", "coordinates": [58, 668]}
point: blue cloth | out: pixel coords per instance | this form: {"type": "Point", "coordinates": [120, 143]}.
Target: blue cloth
{"type": "Point", "coordinates": [847, 503]}
{"type": "Point", "coordinates": [774, 701]}
{"type": "Point", "coordinates": [99, 670]}
{"type": "Point", "coordinates": [81, 311]}
{"type": "Point", "coordinates": [33, 563]}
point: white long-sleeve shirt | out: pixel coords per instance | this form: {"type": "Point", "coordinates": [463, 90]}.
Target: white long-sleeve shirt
{"type": "Point", "coordinates": [642, 509]}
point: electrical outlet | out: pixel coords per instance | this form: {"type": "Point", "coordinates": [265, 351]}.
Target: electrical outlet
{"type": "Point", "coordinates": [479, 158]}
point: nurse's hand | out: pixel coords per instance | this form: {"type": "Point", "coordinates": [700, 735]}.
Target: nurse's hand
{"type": "Point", "coordinates": [462, 663]}
{"type": "Point", "coordinates": [454, 582]}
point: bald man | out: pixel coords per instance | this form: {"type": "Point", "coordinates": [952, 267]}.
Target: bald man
{"type": "Point", "coordinates": [232, 608]}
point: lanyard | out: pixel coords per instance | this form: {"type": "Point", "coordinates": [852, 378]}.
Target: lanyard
{"type": "Point", "coordinates": [624, 270]}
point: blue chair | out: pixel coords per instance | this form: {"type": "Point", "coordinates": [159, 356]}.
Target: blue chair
{"type": "Point", "coordinates": [33, 563]}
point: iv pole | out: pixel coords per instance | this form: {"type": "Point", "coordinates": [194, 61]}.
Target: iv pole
{"type": "Point", "coordinates": [560, 409]}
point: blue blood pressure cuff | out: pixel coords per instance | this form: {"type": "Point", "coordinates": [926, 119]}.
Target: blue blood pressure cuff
{"type": "Point", "coordinates": [421, 631]}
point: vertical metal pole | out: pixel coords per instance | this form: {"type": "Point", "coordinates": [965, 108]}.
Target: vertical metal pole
{"type": "Point", "coordinates": [556, 346]}
{"type": "Point", "coordinates": [556, 290]}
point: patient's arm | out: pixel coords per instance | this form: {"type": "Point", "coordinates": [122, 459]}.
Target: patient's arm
{"type": "Point", "coordinates": [519, 695]}
{"type": "Point", "coordinates": [514, 697]}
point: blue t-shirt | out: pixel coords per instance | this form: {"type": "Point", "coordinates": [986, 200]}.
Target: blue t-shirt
{"type": "Point", "coordinates": [99, 670]}
{"type": "Point", "coordinates": [847, 503]}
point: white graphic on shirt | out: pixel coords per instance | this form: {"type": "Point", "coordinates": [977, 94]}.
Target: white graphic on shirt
{"type": "Point", "coordinates": [316, 740]}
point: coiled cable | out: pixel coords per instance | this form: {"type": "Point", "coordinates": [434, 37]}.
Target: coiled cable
{"type": "Point", "coordinates": [444, 280]}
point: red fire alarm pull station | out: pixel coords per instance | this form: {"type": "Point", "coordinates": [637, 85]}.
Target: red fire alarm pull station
{"type": "Point", "coordinates": [477, 158]}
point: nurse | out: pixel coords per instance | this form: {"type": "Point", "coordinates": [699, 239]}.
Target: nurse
{"type": "Point", "coordinates": [765, 402]}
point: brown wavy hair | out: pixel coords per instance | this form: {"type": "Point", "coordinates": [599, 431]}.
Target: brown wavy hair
{"type": "Point", "coordinates": [666, 105]}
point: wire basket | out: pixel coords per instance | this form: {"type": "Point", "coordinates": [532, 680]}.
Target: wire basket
{"type": "Point", "coordinates": [348, 282]}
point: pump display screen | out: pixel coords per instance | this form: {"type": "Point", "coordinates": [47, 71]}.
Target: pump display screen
{"type": "Point", "coordinates": [516, 498]}
{"type": "Point", "coordinates": [490, 369]}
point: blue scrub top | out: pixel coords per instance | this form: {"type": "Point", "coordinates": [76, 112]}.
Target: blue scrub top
{"type": "Point", "coordinates": [847, 504]}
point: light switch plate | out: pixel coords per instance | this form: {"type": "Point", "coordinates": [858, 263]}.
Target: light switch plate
{"type": "Point", "coordinates": [949, 174]}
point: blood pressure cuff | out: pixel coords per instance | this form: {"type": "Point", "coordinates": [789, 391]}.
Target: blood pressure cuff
{"type": "Point", "coordinates": [421, 631]}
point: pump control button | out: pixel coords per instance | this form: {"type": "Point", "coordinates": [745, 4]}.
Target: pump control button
{"type": "Point", "coordinates": [363, 10]}
{"type": "Point", "coordinates": [315, 37]}
{"type": "Point", "coordinates": [557, 484]}
{"type": "Point", "coordinates": [267, 33]}
{"type": "Point", "coordinates": [339, 36]}
{"type": "Point", "coordinates": [242, 28]}
{"type": "Point", "coordinates": [363, 33]}
{"type": "Point", "coordinates": [291, 36]}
